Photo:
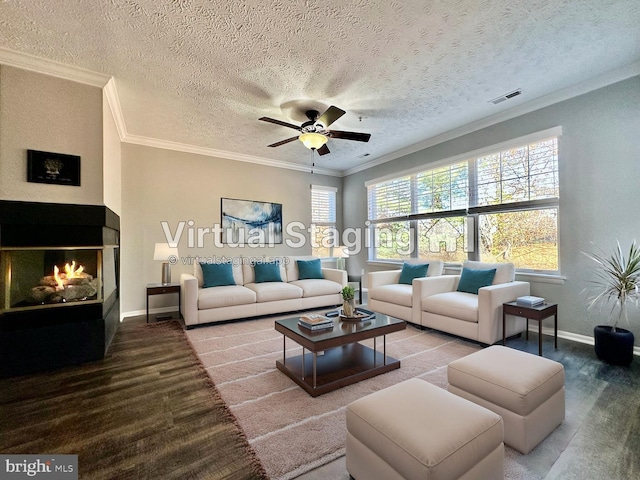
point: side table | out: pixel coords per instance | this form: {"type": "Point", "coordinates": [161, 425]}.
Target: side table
{"type": "Point", "coordinates": [356, 279]}
{"type": "Point", "coordinates": [161, 289]}
{"type": "Point", "coordinates": [538, 313]}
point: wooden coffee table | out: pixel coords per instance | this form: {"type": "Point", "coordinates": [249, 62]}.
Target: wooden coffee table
{"type": "Point", "coordinates": [335, 358]}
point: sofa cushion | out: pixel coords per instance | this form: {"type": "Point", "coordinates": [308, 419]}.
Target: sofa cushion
{"type": "Point", "coordinates": [217, 274]}
{"type": "Point", "coordinates": [226, 296]}
{"type": "Point", "coordinates": [317, 287]}
{"type": "Point", "coordinates": [271, 291]}
{"type": "Point", "coordinates": [267, 272]}
{"type": "Point", "coordinates": [411, 271]}
{"type": "Point", "coordinates": [505, 272]}
{"type": "Point", "coordinates": [471, 280]}
{"type": "Point", "coordinates": [398, 294]}
{"type": "Point", "coordinates": [309, 269]}
{"type": "Point", "coordinates": [460, 305]}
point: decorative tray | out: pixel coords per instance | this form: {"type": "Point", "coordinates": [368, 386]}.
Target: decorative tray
{"type": "Point", "coordinates": [360, 314]}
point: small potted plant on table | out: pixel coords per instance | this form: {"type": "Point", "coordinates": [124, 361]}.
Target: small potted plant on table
{"type": "Point", "coordinates": [616, 286]}
{"type": "Point", "coordinates": [348, 301]}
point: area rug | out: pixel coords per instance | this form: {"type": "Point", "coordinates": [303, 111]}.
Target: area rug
{"type": "Point", "coordinates": [290, 431]}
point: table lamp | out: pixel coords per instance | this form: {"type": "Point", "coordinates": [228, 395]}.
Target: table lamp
{"type": "Point", "coordinates": [340, 253]}
{"type": "Point", "coordinates": [164, 253]}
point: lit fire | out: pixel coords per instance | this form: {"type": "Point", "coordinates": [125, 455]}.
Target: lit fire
{"type": "Point", "coordinates": [70, 271]}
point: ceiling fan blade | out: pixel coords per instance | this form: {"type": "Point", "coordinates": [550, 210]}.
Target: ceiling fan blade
{"type": "Point", "coordinates": [357, 136]}
{"type": "Point", "coordinates": [278, 122]}
{"type": "Point", "coordinates": [282, 142]}
{"type": "Point", "coordinates": [323, 150]}
{"type": "Point", "coordinates": [330, 115]}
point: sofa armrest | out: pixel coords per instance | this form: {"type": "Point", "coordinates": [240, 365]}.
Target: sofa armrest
{"type": "Point", "coordinates": [385, 277]}
{"type": "Point", "coordinates": [189, 298]}
{"type": "Point", "coordinates": [335, 275]}
{"type": "Point", "coordinates": [490, 300]}
{"type": "Point", "coordinates": [425, 287]}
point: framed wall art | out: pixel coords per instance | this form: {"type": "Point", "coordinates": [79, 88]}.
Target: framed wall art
{"type": "Point", "coordinates": [251, 222]}
{"type": "Point", "coordinates": [55, 168]}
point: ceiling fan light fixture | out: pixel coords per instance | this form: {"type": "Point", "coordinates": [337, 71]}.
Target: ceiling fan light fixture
{"type": "Point", "coordinates": [313, 141]}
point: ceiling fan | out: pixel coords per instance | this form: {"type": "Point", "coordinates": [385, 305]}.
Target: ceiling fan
{"type": "Point", "coordinates": [314, 133]}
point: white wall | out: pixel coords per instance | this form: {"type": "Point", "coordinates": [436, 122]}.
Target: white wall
{"type": "Point", "coordinates": [163, 185]}
{"type": "Point", "coordinates": [112, 164]}
{"type": "Point", "coordinates": [40, 112]}
{"type": "Point", "coordinates": [599, 155]}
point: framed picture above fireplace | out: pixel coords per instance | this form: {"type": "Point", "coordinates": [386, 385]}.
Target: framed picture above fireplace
{"type": "Point", "coordinates": [251, 222]}
{"type": "Point", "coordinates": [55, 168]}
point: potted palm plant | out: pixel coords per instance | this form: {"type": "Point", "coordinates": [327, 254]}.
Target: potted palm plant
{"type": "Point", "coordinates": [615, 288]}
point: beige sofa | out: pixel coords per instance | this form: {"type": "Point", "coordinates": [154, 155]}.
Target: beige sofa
{"type": "Point", "coordinates": [476, 317]}
{"type": "Point", "coordinates": [248, 299]}
{"type": "Point", "coordinates": [388, 296]}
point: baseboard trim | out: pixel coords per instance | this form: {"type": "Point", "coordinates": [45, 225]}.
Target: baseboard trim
{"type": "Point", "coordinates": [574, 337]}
{"type": "Point", "coordinates": [152, 311]}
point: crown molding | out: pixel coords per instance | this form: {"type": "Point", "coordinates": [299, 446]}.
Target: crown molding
{"type": "Point", "coordinates": [26, 61]}
{"type": "Point", "coordinates": [211, 152]}
{"type": "Point", "coordinates": [113, 100]}
{"type": "Point", "coordinates": [587, 86]}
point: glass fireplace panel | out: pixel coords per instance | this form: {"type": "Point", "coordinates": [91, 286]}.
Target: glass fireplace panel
{"type": "Point", "coordinates": [51, 277]}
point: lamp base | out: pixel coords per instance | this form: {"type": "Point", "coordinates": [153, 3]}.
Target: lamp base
{"type": "Point", "coordinates": [166, 273]}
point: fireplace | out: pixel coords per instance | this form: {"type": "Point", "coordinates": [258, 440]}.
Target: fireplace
{"type": "Point", "coordinates": [59, 299]}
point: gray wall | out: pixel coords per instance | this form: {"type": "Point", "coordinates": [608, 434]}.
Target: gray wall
{"type": "Point", "coordinates": [40, 112]}
{"type": "Point", "coordinates": [599, 156]}
{"type": "Point", "coordinates": [163, 185]}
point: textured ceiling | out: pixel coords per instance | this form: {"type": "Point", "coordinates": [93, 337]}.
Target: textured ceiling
{"type": "Point", "coordinates": [201, 73]}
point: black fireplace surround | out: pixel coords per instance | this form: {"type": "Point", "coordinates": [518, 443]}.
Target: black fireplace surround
{"type": "Point", "coordinates": [48, 321]}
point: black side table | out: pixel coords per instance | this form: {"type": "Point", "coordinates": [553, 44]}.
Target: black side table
{"type": "Point", "coordinates": [356, 279]}
{"type": "Point", "coordinates": [538, 313]}
{"type": "Point", "coordinates": [161, 289]}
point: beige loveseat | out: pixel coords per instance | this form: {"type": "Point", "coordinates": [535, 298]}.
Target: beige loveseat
{"type": "Point", "coordinates": [248, 299]}
{"type": "Point", "coordinates": [477, 317]}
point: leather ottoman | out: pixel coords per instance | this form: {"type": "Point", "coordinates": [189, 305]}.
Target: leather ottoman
{"type": "Point", "coordinates": [415, 430]}
{"type": "Point", "coordinates": [526, 390]}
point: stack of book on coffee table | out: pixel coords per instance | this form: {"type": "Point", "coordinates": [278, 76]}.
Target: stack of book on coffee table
{"type": "Point", "coordinates": [315, 322]}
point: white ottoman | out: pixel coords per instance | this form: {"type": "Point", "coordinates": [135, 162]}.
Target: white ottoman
{"type": "Point", "coordinates": [415, 430]}
{"type": "Point", "coordinates": [526, 390]}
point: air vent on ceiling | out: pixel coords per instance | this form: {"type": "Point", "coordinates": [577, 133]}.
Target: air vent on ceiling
{"type": "Point", "coordinates": [364, 155]}
{"type": "Point", "coordinates": [506, 96]}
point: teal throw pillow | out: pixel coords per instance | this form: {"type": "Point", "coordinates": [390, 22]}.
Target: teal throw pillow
{"type": "Point", "coordinates": [472, 280]}
{"type": "Point", "coordinates": [217, 274]}
{"type": "Point", "coordinates": [309, 269]}
{"type": "Point", "coordinates": [410, 271]}
{"type": "Point", "coordinates": [267, 272]}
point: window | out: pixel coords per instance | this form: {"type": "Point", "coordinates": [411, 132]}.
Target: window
{"type": "Point", "coordinates": [323, 219]}
{"type": "Point", "coordinates": [495, 205]}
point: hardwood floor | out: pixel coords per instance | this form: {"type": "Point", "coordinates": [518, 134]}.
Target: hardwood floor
{"type": "Point", "coordinates": [147, 410]}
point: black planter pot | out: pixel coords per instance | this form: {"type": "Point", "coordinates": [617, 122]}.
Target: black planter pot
{"type": "Point", "coordinates": [613, 347]}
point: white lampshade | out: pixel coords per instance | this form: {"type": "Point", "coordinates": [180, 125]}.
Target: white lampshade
{"type": "Point", "coordinates": [340, 252]}
{"type": "Point", "coordinates": [163, 251]}
{"type": "Point", "coordinates": [312, 140]}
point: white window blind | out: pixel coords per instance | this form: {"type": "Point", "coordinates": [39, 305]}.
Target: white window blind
{"type": "Point", "coordinates": [507, 193]}
{"type": "Point", "coordinates": [323, 205]}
